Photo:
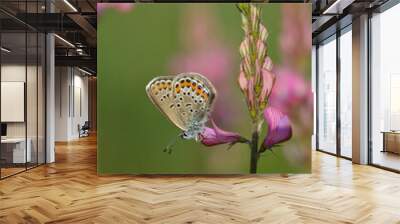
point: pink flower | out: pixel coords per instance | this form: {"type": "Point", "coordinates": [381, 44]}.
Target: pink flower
{"type": "Point", "coordinates": [291, 91]}
{"type": "Point", "coordinates": [204, 51]}
{"type": "Point", "coordinates": [216, 136]}
{"type": "Point", "coordinates": [295, 38]}
{"type": "Point", "coordinates": [255, 78]}
{"type": "Point", "coordinates": [279, 127]}
{"type": "Point", "coordinates": [214, 63]}
{"type": "Point", "coordinates": [122, 7]}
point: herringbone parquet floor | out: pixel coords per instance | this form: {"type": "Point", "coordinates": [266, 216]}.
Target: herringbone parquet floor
{"type": "Point", "coordinates": [69, 191]}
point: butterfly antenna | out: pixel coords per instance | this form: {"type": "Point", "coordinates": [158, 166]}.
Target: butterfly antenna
{"type": "Point", "coordinates": [168, 149]}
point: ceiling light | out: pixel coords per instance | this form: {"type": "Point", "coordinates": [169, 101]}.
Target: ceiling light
{"type": "Point", "coordinates": [333, 6]}
{"type": "Point", "coordinates": [84, 71]}
{"type": "Point", "coordinates": [337, 7]}
{"type": "Point", "coordinates": [5, 50]}
{"type": "Point", "coordinates": [70, 5]}
{"type": "Point", "coordinates": [79, 51]}
{"type": "Point", "coordinates": [65, 41]}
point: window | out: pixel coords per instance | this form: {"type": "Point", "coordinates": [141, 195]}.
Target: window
{"type": "Point", "coordinates": [327, 96]}
{"type": "Point", "coordinates": [22, 78]}
{"type": "Point", "coordinates": [346, 92]}
{"type": "Point", "coordinates": [385, 89]}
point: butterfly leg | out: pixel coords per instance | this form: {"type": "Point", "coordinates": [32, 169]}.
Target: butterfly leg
{"type": "Point", "coordinates": [168, 148]}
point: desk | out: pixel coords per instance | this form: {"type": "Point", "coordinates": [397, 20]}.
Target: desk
{"type": "Point", "coordinates": [391, 141]}
{"type": "Point", "coordinates": [13, 150]}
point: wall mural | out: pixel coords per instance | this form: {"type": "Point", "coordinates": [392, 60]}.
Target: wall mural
{"type": "Point", "coordinates": [204, 88]}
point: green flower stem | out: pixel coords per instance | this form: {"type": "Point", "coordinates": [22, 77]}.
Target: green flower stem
{"type": "Point", "coordinates": [254, 153]}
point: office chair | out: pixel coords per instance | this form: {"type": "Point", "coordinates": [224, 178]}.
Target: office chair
{"type": "Point", "coordinates": [84, 130]}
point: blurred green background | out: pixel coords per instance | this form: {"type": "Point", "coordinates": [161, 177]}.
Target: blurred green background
{"type": "Point", "coordinates": [151, 40]}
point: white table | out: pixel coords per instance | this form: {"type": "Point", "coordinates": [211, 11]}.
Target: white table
{"type": "Point", "coordinates": [18, 145]}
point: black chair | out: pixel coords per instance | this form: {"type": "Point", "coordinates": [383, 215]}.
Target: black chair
{"type": "Point", "coordinates": [84, 130]}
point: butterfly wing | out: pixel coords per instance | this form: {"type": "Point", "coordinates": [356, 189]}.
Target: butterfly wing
{"type": "Point", "coordinates": [194, 97]}
{"type": "Point", "coordinates": [160, 92]}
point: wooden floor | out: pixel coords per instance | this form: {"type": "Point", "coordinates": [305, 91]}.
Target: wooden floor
{"type": "Point", "coordinates": [5, 172]}
{"type": "Point", "coordinates": [69, 191]}
{"type": "Point", "coordinates": [387, 159]}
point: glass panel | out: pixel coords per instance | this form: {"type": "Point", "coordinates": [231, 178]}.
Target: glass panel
{"type": "Point", "coordinates": [346, 94]}
{"type": "Point", "coordinates": [23, 90]}
{"type": "Point", "coordinates": [327, 96]}
{"type": "Point", "coordinates": [13, 89]}
{"type": "Point", "coordinates": [385, 86]}
{"type": "Point", "coordinates": [31, 100]}
{"type": "Point", "coordinates": [313, 81]}
{"type": "Point", "coordinates": [31, 88]}
{"type": "Point", "coordinates": [41, 98]}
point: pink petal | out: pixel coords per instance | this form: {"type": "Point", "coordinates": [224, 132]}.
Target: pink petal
{"type": "Point", "coordinates": [257, 72]}
{"type": "Point", "coordinates": [254, 15]}
{"type": "Point", "coordinates": [216, 136]}
{"type": "Point", "coordinates": [247, 65]}
{"type": "Point", "coordinates": [250, 91]}
{"type": "Point", "coordinates": [244, 47]}
{"type": "Point", "coordinates": [263, 33]}
{"type": "Point", "coordinates": [242, 81]}
{"type": "Point", "coordinates": [279, 127]}
{"type": "Point", "coordinates": [261, 49]}
{"type": "Point", "coordinates": [268, 64]}
{"type": "Point", "coordinates": [208, 137]}
{"type": "Point", "coordinates": [268, 81]}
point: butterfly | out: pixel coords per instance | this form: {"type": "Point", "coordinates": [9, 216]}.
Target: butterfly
{"type": "Point", "coordinates": [185, 99]}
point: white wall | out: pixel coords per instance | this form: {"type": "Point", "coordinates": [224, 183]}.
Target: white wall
{"type": "Point", "coordinates": [16, 73]}
{"type": "Point", "coordinates": [62, 82]}
{"type": "Point", "coordinates": [80, 111]}
{"type": "Point", "coordinates": [71, 102]}
{"type": "Point", "coordinates": [11, 73]}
